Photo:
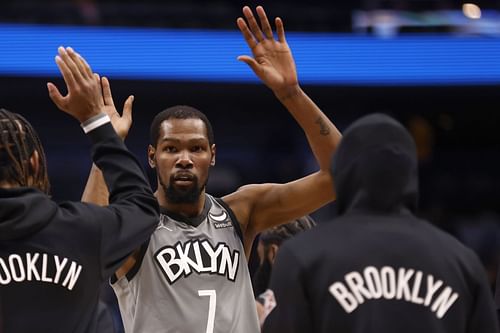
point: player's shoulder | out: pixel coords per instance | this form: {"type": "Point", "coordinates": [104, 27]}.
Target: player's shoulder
{"type": "Point", "coordinates": [243, 199]}
{"type": "Point", "coordinates": [246, 194]}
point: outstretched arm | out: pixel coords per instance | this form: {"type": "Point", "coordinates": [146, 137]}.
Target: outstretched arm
{"type": "Point", "coordinates": [96, 190]}
{"type": "Point", "coordinates": [273, 63]}
{"type": "Point", "coordinates": [259, 207]}
{"type": "Point", "coordinates": [132, 214]}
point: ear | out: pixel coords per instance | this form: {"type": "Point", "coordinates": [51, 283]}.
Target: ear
{"type": "Point", "coordinates": [151, 156]}
{"type": "Point", "coordinates": [35, 162]}
{"type": "Point", "coordinates": [212, 149]}
{"type": "Point", "coordinates": [271, 254]}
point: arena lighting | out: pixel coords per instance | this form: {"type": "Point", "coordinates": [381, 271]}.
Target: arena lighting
{"type": "Point", "coordinates": [210, 56]}
{"type": "Point", "coordinates": [471, 11]}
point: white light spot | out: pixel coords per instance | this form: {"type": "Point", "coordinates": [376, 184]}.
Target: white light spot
{"type": "Point", "coordinates": [471, 11]}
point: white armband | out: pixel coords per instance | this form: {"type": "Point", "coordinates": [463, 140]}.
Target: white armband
{"type": "Point", "coordinates": [94, 122]}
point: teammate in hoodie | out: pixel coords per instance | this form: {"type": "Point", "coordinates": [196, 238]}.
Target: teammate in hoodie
{"type": "Point", "coordinates": [192, 275]}
{"type": "Point", "coordinates": [377, 267]}
{"type": "Point", "coordinates": [54, 257]}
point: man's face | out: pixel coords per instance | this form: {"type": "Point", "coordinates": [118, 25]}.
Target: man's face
{"type": "Point", "coordinates": [182, 158]}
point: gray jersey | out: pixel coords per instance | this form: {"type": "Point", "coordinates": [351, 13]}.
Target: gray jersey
{"type": "Point", "coordinates": [191, 279]}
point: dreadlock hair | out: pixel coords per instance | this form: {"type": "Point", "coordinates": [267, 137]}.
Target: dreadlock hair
{"type": "Point", "coordinates": [18, 142]}
{"type": "Point", "coordinates": [280, 233]}
{"type": "Point", "coordinates": [179, 112]}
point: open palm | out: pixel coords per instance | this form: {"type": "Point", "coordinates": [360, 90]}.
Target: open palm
{"type": "Point", "coordinates": [272, 59]}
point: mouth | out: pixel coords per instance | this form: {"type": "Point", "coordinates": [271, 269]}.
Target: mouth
{"type": "Point", "coordinates": [184, 179]}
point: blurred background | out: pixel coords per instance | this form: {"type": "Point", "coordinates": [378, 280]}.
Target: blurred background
{"type": "Point", "coordinates": [434, 65]}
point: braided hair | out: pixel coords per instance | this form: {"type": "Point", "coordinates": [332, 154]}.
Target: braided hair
{"type": "Point", "coordinates": [280, 233]}
{"type": "Point", "coordinates": [18, 142]}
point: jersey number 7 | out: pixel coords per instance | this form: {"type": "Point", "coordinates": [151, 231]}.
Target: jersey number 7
{"type": "Point", "coordinates": [211, 308]}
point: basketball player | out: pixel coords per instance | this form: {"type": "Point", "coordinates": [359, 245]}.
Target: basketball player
{"type": "Point", "coordinates": [54, 257]}
{"type": "Point", "coordinates": [377, 267]}
{"type": "Point", "coordinates": [192, 275]}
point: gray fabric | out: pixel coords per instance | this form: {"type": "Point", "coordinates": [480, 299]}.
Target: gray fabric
{"type": "Point", "coordinates": [160, 299]}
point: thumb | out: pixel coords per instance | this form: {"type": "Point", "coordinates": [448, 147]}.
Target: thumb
{"type": "Point", "coordinates": [55, 95]}
{"type": "Point", "coordinates": [127, 108]}
{"type": "Point", "coordinates": [250, 62]}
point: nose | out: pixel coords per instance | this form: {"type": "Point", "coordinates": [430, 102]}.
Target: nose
{"type": "Point", "coordinates": [184, 160]}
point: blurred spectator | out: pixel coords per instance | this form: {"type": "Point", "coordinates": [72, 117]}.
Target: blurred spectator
{"type": "Point", "coordinates": [268, 245]}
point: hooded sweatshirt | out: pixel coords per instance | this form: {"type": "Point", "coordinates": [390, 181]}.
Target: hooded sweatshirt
{"type": "Point", "coordinates": [54, 257]}
{"type": "Point", "coordinates": [377, 267]}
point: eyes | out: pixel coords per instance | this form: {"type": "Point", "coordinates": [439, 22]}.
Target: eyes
{"type": "Point", "coordinates": [194, 149]}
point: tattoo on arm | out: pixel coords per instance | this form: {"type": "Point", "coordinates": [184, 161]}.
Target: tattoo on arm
{"type": "Point", "coordinates": [323, 128]}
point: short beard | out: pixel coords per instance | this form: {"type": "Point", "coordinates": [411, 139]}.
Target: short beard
{"type": "Point", "coordinates": [188, 196]}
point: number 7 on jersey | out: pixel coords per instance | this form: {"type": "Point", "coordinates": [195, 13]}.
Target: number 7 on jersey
{"type": "Point", "coordinates": [211, 308]}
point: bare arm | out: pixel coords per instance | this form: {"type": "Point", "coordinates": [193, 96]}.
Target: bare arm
{"type": "Point", "coordinates": [259, 207]}
{"type": "Point", "coordinates": [96, 190]}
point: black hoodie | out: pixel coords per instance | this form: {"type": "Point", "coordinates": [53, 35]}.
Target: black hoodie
{"type": "Point", "coordinates": [54, 257]}
{"type": "Point", "coordinates": [378, 268]}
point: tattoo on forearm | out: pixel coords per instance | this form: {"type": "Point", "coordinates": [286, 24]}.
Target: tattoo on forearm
{"type": "Point", "coordinates": [323, 128]}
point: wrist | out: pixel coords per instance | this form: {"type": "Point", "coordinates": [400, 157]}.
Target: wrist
{"type": "Point", "coordinates": [288, 92]}
{"type": "Point", "coordinates": [94, 121]}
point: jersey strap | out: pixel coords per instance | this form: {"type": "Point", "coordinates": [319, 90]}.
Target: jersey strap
{"type": "Point", "coordinates": [236, 223]}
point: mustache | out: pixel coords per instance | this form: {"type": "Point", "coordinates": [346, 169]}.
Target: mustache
{"type": "Point", "coordinates": [183, 175]}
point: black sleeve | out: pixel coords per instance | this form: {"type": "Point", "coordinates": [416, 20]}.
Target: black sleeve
{"type": "Point", "coordinates": [133, 212]}
{"type": "Point", "coordinates": [292, 311]}
{"type": "Point", "coordinates": [483, 316]}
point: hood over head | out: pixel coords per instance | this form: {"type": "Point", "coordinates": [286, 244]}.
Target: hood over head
{"type": "Point", "coordinates": [375, 167]}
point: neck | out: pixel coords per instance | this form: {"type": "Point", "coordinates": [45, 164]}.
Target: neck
{"type": "Point", "coordinates": [184, 209]}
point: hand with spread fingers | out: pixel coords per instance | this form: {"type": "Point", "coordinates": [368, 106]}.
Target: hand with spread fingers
{"type": "Point", "coordinates": [84, 98]}
{"type": "Point", "coordinates": [272, 59]}
{"type": "Point", "coordinates": [121, 124]}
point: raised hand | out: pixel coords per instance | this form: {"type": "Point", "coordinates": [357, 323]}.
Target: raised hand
{"type": "Point", "coordinates": [122, 123]}
{"type": "Point", "coordinates": [272, 59]}
{"type": "Point", "coordinates": [84, 98]}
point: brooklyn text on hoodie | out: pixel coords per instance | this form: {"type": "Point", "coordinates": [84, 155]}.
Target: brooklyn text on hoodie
{"type": "Point", "coordinates": [394, 284]}
{"type": "Point", "coordinates": [39, 267]}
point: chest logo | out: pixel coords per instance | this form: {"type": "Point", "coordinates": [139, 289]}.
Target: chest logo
{"type": "Point", "coordinates": [198, 256]}
{"type": "Point", "coordinates": [218, 218]}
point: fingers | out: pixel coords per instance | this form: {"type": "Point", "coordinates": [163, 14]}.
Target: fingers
{"type": "Point", "coordinates": [66, 73]}
{"type": "Point", "coordinates": [264, 22]}
{"type": "Point", "coordinates": [83, 68]}
{"type": "Point", "coordinates": [252, 33]}
{"type": "Point", "coordinates": [71, 65]}
{"type": "Point", "coordinates": [127, 109]}
{"type": "Point", "coordinates": [280, 29]}
{"type": "Point", "coordinates": [97, 80]}
{"type": "Point", "coordinates": [106, 92]}
{"type": "Point", "coordinates": [252, 22]}
{"type": "Point", "coordinates": [82, 65]}
{"type": "Point", "coordinates": [55, 95]}
{"type": "Point", "coordinates": [242, 25]}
